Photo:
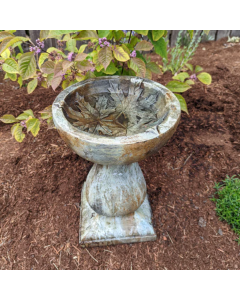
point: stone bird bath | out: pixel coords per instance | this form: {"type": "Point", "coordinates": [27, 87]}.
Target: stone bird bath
{"type": "Point", "coordinates": [115, 122]}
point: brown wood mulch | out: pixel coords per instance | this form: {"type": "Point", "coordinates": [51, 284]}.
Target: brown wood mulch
{"type": "Point", "coordinates": [41, 181]}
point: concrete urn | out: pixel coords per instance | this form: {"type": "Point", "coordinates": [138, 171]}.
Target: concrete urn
{"type": "Point", "coordinates": [114, 122]}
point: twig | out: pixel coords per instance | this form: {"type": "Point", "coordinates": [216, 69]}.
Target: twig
{"type": "Point", "coordinates": [76, 249]}
{"type": "Point", "coordinates": [55, 266]}
{"type": "Point", "coordinates": [169, 237]}
{"type": "Point", "coordinates": [187, 159]}
{"type": "Point", "coordinates": [91, 255]}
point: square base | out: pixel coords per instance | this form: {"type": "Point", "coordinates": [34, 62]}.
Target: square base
{"type": "Point", "coordinates": [97, 230]}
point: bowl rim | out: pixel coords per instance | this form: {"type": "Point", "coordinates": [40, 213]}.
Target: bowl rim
{"type": "Point", "coordinates": [61, 123]}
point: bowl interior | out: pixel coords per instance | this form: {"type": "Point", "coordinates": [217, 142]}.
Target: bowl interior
{"type": "Point", "coordinates": [116, 106]}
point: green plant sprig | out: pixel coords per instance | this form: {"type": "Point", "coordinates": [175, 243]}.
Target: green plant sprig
{"type": "Point", "coordinates": [227, 199]}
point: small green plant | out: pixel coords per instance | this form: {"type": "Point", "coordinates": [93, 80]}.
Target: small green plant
{"type": "Point", "coordinates": [233, 39]}
{"type": "Point", "coordinates": [181, 55]}
{"type": "Point", "coordinates": [183, 82]}
{"type": "Point", "coordinates": [228, 202]}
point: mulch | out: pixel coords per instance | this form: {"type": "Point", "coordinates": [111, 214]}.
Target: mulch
{"type": "Point", "coordinates": [41, 181]}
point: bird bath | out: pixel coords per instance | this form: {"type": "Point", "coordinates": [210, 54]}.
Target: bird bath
{"type": "Point", "coordinates": [115, 121]}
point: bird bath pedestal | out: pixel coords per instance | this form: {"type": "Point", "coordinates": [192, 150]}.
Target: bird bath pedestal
{"type": "Point", "coordinates": [115, 122]}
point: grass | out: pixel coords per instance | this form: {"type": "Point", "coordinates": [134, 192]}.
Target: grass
{"type": "Point", "coordinates": [228, 202]}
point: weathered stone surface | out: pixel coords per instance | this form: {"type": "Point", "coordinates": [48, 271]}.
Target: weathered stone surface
{"type": "Point", "coordinates": [118, 150]}
{"type": "Point", "coordinates": [115, 190]}
{"type": "Point", "coordinates": [114, 205]}
{"type": "Point", "coordinates": [97, 230]}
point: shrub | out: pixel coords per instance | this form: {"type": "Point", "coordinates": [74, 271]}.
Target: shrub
{"type": "Point", "coordinates": [228, 202]}
{"type": "Point", "coordinates": [105, 52]}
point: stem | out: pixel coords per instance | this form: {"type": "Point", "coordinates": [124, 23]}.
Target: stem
{"type": "Point", "coordinates": [128, 43]}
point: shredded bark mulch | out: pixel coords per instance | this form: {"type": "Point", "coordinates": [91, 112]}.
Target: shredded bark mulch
{"type": "Point", "coordinates": [41, 181]}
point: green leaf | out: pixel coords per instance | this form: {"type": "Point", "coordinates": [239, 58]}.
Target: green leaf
{"type": "Point", "coordinates": [81, 56]}
{"type": "Point", "coordinates": [18, 134]}
{"type": "Point", "coordinates": [182, 102]}
{"type": "Point", "coordinates": [6, 53]}
{"type": "Point", "coordinates": [9, 41]}
{"type": "Point", "coordinates": [206, 32]}
{"type": "Point", "coordinates": [160, 46]}
{"type": "Point", "coordinates": [125, 48]}
{"type": "Point", "coordinates": [190, 82]}
{"type": "Point", "coordinates": [139, 55]}
{"type": "Point", "coordinates": [103, 33]}
{"type": "Point", "coordinates": [56, 81]}
{"type": "Point", "coordinates": [54, 33]}
{"type": "Point", "coordinates": [27, 65]}
{"type": "Point", "coordinates": [198, 69]}
{"type": "Point", "coordinates": [13, 128]}
{"type": "Point", "coordinates": [10, 66]}
{"type": "Point", "coordinates": [148, 74]}
{"type": "Point", "coordinates": [49, 78]}
{"type": "Point", "coordinates": [157, 34]}
{"type": "Point", "coordinates": [8, 119]}
{"type": "Point", "coordinates": [178, 87]}
{"type": "Point", "coordinates": [191, 32]}
{"type": "Point", "coordinates": [190, 67]}
{"type": "Point", "coordinates": [32, 85]}
{"type": "Point", "coordinates": [33, 125]}
{"type": "Point", "coordinates": [82, 48]}
{"type": "Point", "coordinates": [138, 66]}
{"type": "Point", "coordinates": [105, 56]}
{"type": "Point", "coordinates": [19, 55]}
{"type": "Point", "coordinates": [111, 69]}
{"type": "Point", "coordinates": [205, 78]}
{"type": "Point", "coordinates": [44, 34]}
{"type": "Point", "coordinates": [11, 76]}
{"type": "Point", "coordinates": [29, 112]}
{"type": "Point", "coordinates": [71, 45]}
{"type": "Point", "coordinates": [118, 34]}
{"type": "Point", "coordinates": [46, 113]}
{"type": "Point", "coordinates": [142, 32]}
{"type": "Point", "coordinates": [144, 46]}
{"type": "Point", "coordinates": [86, 35]}
{"type": "Point", "coordinates": [5, 34]}
{"type": "Point", "coordinates": [134, 41]}
{"type": "Point", "coordinates": [181, 76]}
{"type": "Point", "coordinates": [42, 58]}
{"type": "Point", "coordinates": [84, 65]}
{"type": "Point", "coordinates": [153, 67]}
{"type": "Point", "coordinates": [25, 115]}
{"type": "Point", "coordinates": [120, 54]}
{"type": "Point", "coordinates": [48, 67]}
{"type": "Point", "coordinates": [20, 81]}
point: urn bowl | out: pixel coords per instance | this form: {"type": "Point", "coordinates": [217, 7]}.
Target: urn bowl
{"type": "Point", "coordinates": [116, 120]}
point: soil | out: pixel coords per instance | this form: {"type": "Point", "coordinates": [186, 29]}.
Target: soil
{"type": "Point", "coordinates": [41, 181]}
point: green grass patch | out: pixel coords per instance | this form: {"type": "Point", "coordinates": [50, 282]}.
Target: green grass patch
{"type": "Point", "coordinates": [227, 198]}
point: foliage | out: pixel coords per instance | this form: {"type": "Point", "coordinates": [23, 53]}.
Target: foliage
{"type": "Point", "coordinates": [180, 56]}
{"type": "Point", "coordinates": [25, 120]}
{"type": "Point", "coordinates": [105, 52]}
{"type": "Point", "coordinates": [233, 39]}
{"type": "Point", "coordinates": [228, 202]}
{"type": "Point", "coordinates": [183, 82]}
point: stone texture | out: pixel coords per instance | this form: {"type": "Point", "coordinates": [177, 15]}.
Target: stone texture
{"type": "Point", "coordinates": [118, 150]}
{"type": "Point", "coordinates": [115, 190]}
{"type": "Point", "coordinates": [97, 230]}
{"type": "Point", "coordinates": [114, 203]}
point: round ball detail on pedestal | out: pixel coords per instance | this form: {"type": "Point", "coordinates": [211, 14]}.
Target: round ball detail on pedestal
{"type": "Point", "coordinates": [115, 190]}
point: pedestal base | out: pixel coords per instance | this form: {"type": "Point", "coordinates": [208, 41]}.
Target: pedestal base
{"type": "Point", "coordinates": [98, 230]}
